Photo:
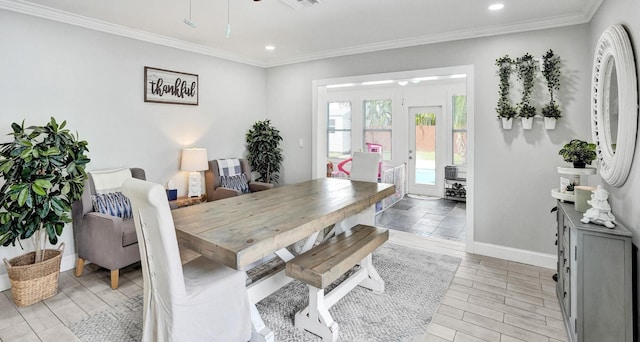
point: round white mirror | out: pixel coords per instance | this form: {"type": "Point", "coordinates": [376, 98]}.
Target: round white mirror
{"type": "Point", "coordinates": [614, 105]}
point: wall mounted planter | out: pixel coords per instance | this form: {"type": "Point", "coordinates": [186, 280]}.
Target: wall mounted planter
{"type": "Point", "coordinates": [549, 123]}
{"type": "Point", "coordinates": [527, 123]}
{"type": "Point", "coordinates": [506, 123]}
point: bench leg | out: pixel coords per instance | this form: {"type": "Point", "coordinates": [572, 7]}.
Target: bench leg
{"type": "Point", "coordinates": [316, 318]}
{"type": "Point", "coordinates": [373, 281]}
{"type": "Point", "coordinates": [259, 331]}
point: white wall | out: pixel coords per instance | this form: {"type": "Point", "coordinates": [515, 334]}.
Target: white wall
{"type": "Point", "coordinates": [514, 170]}
{"type": "Point", "coordinates": [95, 82]}
{"type": "Point", "coordinates": [624, 200]}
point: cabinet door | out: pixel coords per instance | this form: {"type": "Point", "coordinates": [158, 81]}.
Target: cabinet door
{"type": "Point", "coordinates": [603, 298]}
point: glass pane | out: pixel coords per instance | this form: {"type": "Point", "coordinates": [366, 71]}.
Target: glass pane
{"type": "Point", "coordinates": [339, 130]}
{"type": "Point", "coordinates": [460, 148]}
{"type": "Point", "coordinates": [377, 114]}
{"type": "Point", "coordinates": [381, 138]}
{"type": "Point", "coordinates": [459, 112]}
{"type": "Point", "coordinates": [339, 144]}
{"type": "Point", "coordinates": [425, 148]}
{"type": "Point", "coordinates": [340, 115]}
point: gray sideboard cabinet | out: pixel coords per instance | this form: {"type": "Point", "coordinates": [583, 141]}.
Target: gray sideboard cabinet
{"type": "Point", "coordinates": [594, 279]}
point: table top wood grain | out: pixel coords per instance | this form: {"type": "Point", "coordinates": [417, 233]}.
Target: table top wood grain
{"type": "Point", "coordinates": [241, 230]}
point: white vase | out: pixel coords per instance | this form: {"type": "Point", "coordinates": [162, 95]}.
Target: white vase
{"type": "Point", "coordinates": [549, 123]}
{"type": "Point", "coordinates": [506, 123]}
{"type": "Point", "coordinates": [527, 123]}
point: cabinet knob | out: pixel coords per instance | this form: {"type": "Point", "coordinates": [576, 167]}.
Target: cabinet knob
{"type": "Point", "coordinates": [564, 295]}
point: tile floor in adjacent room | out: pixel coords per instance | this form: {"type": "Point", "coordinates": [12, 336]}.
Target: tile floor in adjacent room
{"type": "Point", "coordinates": [489, 300]}
{"type": "Point", "coordinates": [430, 216]}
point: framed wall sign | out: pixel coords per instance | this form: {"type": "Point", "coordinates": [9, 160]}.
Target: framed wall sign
{"type": "Point", "coordinates": [166, 86]}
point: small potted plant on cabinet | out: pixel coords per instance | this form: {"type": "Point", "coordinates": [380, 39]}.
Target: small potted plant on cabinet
{"type": "Point", "coordinates": [43, 173]}
{"type": "Point", "coordinates": [570, 188]}
{"type": "Point", "coordinates": [551, 73]}
{"type": "Point", "coordinates": [578, 152]}
{"type": "Point", "coordinates": [506, 112]}
{"type": "Point", "coordinates": [526, 68]}
{"type": "Point", "coordinates": [264, 152]}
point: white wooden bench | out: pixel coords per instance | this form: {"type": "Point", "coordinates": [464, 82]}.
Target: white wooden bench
{"type": "Point", "coordinates": [325, 263]}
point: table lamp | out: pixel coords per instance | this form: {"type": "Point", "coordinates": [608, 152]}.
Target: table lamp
{"type": "Point", "coordinates": [194, 160]}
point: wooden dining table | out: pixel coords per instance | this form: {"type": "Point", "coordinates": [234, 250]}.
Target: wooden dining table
{"type": "Point", "coordinates": [243, 231]}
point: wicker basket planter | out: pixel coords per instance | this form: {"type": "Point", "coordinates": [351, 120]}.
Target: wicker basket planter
{"type": "Point", "coordinates": [31, 283]}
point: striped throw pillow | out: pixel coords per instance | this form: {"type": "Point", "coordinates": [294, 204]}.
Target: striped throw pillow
{"type": "Point", "coordinates": [114, 204]}
{"type": "Point", "coordinates": [237, 182]}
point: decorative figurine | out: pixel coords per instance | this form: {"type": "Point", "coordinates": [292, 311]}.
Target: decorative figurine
{"type": "Point", "coordinates": [600, 211]}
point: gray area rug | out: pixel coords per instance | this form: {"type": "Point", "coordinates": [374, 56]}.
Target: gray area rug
{"type": "Point", "coordinates": [415, 282]}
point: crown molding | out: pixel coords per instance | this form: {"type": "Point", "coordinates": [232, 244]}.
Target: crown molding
{"type": "Point", "coordinates": [73, 19]}
{"type": "Point", "coordinates": [549, 23]}
{"type": "Point", "coordinates": [97, 25]}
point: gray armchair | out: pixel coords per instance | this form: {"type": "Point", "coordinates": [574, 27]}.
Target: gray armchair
{"type": "Point", "coordinates": [105, 240]}
{"type": "Point", "coordinates": [215, 191]}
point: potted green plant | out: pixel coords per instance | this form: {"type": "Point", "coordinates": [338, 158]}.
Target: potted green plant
{"type": "Point", "coordinates": [551, 72]}
{"type": "Point", "coordinates": [578, 152]}
{"type": "Point", "coordinates": [264, 152]}
{"type": "Point", "coordinates": [506, 112]}
{"type": "Point", "coordinates": [43, 173]}
{"type": "Point", "coordinates": [526, 67]}
{"type": "Point", "coordinates": [570, 188]}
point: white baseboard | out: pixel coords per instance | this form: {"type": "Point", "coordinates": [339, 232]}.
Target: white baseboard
{"type": "Point", "coordinates": [517, 255]}
{"type": "Point", "coordinates": [68, 262]}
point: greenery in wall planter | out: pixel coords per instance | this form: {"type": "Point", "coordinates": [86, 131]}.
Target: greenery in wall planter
{"type": "Point", "coordinates": [264, 152]}
{"type": "Point", "coordinates": [551, 73]}
{"type": "Point", "coordinates": [506, 112]}
{"type": "Point", "coordinates": [578, 152]}
{"type": "Point", "coordinates": [43, 169]}
{"type": "Point", "coordinates": [526, 67]}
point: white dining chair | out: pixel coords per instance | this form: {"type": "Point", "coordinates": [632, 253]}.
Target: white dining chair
{"type": "Point", "coordinates": [198, 301]}
{"type": "Point", "coordinates": [364, 166]}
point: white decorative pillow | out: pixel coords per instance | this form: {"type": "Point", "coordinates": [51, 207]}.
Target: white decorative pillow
{"type": "Point", "coordinates": [114, 204]}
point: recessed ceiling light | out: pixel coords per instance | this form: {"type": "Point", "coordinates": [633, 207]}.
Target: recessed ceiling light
{"type": "Point", "coordinates": [496, 7]}
{"type": "Point", "coordinates": [269, 47]}
{"type": "Point", "coordinates": [403, 83]}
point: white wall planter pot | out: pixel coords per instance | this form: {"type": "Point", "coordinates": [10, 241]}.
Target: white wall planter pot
{"type": "Point", "coordinates": [550, 123]}
{"type": "Point", "coordinates": [527, 123]}
{"type": "Point", "coordinates": [506, 123]}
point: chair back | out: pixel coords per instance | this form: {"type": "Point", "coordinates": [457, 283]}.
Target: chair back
{"type": "Point", "coordinates": [364, 166]}
{"type": "Point", "coordinates": [159, 253]}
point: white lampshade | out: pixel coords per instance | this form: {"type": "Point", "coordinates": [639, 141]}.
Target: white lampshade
{"type": "Point", "coordinates": [194, 159]}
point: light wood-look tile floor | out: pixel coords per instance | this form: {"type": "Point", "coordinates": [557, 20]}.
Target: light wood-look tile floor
{"type": "Point", "coordinates": [489, 300]}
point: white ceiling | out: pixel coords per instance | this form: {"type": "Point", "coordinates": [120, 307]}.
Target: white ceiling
{"type": "Point", "coordinates": [331, 28]}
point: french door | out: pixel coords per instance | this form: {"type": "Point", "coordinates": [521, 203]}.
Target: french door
{"type": "Point", "coordinates": [426, 151]}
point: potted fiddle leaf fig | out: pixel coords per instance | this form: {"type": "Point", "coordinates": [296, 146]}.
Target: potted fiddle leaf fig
{"type": "Point", "coordinates": [578, 152]}
{"type": "Point", "coordinates": [506, 112]}
{"type": "Point", "coordinates": [43, 172]}
{"type": "Point", "coordinates": [551, 72]}
{"type": "Point", "coordinates": [264, 152]}
{"type": "Point", "coordinates": [526, 67]}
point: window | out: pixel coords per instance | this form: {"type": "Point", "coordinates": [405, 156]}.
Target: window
{"type": "Point", "coordinates": [339, 130]}
{"type": "Point", "coordinates": [459, 113]}
{"type": "Point", "coordinates": [377, 125]}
